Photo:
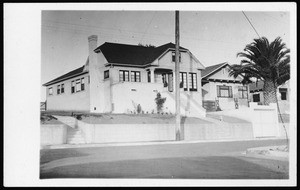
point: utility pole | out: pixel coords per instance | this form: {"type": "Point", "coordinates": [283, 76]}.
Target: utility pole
{"type": "Point", "coordinates": [177, 85]}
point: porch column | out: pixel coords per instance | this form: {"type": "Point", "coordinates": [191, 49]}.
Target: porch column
{"type": "Point", "coordinates": [152, 75]}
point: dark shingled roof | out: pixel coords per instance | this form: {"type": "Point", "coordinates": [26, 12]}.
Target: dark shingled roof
{"type": "Point", "coordinates": [67, 75]}
{"type": "Point", "coordinates": [124, 54]}
{"type": "Point", "coordinates": [209, 70]}
{"type": "Point", "coordinates": [133, 54]}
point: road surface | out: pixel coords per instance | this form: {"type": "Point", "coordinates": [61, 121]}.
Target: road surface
{"type": "Point", "coordinates": [205, 160]}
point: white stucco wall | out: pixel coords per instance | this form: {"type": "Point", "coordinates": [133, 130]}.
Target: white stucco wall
{"type": "Point", "coordinates": [67, 101]}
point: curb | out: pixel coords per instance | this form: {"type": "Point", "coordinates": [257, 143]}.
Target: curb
{"type": "Point", "coordinates": [62, 146]}
{"type": "Point", "coordinates": [268, 151]}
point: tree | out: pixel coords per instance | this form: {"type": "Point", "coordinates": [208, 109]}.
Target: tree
{"type": "Point", "coordinates": [265, 61]}
{"type": "Point", "coordinates": [146, 45]}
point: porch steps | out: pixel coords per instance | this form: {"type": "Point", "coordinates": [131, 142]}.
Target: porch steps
{"type": "Point", "coordinates": [75, 136]}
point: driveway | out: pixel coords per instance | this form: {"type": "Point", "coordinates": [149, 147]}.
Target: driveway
{"type": "Point", "coordinates": [205, 160]}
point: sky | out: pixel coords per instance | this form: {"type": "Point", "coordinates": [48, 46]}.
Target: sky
{"type": "Point", "coordinates": [212, 36]}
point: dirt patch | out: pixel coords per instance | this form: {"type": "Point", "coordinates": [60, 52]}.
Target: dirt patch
{"type": "Point", "coordinates": [48, 119]}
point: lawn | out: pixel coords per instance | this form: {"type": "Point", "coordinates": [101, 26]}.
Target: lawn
{"type": "Point", "coordinates": [138, 119]}
{"type": "Point", "coordinates": [47, 118]}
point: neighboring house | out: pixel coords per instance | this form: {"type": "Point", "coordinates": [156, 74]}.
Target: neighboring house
{"type": "Point", "coordinates": [118, 77]}
{"type": "Point", "coordinates": [283, 91]}
{"type": "Point", "coordinates": [221, 90]}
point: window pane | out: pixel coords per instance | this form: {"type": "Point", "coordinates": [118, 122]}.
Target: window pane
{"type": "Point", "coordinates": [224, 93]}
{"type": "Point", "coordinates": [62, 88]}
{"type": "Point", "coordinates": [106, 74]}
{"type": "Point", "coordinates": [283, 95]}
{"type": "Point", "coordinates": [77, 85]}
{"type": "Point", "coordinates": [126, 76]}
{"type": "Point", "coordinates": [138, 78]}
{"type": "Point", "coordinates": [50, 91]}
{"type": "Point", "coordinates": [184, 81]}
{"type": "Point", "coordinates": [58, 89]}
{"type": "Point", "coordinates": [82, 84]}
{"type": "Point", "coordinates": [132, 76]}
{"type": "Point", "coordinates": [121, 75]}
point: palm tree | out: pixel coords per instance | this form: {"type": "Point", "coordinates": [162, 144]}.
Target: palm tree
{"type": "Point", "coordinates": [265, 61]}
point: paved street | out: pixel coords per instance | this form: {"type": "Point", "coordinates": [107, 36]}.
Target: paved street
{"type": "Point", "coordinates": [209, 160]}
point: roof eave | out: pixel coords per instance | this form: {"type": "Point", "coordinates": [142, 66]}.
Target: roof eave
{"type": "Point", "coordinates": [66, 78]}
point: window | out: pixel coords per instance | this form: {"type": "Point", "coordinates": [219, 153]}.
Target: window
{"type": "Point", "coordinates": [193, 81]}
{"type": "Point", "coordinates": [82, 84]}
{"type": "Point", "coordinates": [58, 89]}
{"type": "Point", "coordinates": [77, 85]}
{"type": "Point", "coordinates": [73, 87]}
{"type": "Point", "coordinates": [62, 88]}
{"type": "Point", "coordinates": [256, 98]}
{"type": "Point", "coordinates": [283, 93]}
{"type": "Point", "coordinates": [124, 75]}
{"type": "Point", "coordinates": [183, 80]}
{"type": "Point", "coordinates": [173, 56]}
{"type": "Point", "coordinates": [243, 92]}
{"type": "Point", "coordinates": [224, 91]}
{"type": "Point", "coordinates": [50, 91]}
{"type": "Point", "coordinates": [135, 76]}
{"type": "Point", "coordinates": [106, 74]}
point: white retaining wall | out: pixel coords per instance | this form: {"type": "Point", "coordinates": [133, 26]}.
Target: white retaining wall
{"type": "Point", "coordinates": [109, 133]}
{"type": "Point", "coordinates": [52, 134]}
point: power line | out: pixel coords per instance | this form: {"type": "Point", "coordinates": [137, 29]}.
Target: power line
{"type": "Point", "coordinates": [251, 24]}
{"type": "Point", "coordinates": [148, 27]}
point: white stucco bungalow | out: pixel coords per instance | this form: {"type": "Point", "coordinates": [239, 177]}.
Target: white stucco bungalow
{"type": "Point", "coordinates": [118, 77]}
{"type": "Point", "coordinates": [220, 89]}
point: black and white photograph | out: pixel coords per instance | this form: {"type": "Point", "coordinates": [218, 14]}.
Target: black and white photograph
{"type": "Point", "coordinates": [149, 94]}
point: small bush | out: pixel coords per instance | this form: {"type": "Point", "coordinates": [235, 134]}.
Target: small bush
{"type": "Point", "coordinates": [159, 102]}
{"type": "Point", "coordinates": [139, 109]}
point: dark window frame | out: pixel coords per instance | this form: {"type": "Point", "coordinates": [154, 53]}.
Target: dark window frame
{"type": "Point", "coordinates": [183, 84]}
{"type": "Point", "coordinates": [82, 84]}
{"type": "Point", "coordinates": [106, 74]}
{"type": "Point", "coordinates": [122, 75]}
{"type": "Point", "coordinates": [228, 88]}
{"type": "Point", "coordinates": [193, 82]}
{"type": "Point", "coordinates": [283, 93]}
{"type": "Point", "coordinates": [58, 89]}
{"type": "Point", "coordinates": [62, 88]}
{"type": "Point", "coordinates": [243, 89]}
{"type": "Point", "coordinates": [73, 84]}
{"type": "Point", "coordinates": [133, 78]}
{"type": "Point", "coordinates": [256, 97]}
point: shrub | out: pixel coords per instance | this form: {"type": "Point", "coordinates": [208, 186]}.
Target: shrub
{"type": "Point", "coordinates": [159, 102]}
{"type": "Point", "coordinates": [139, 108]}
